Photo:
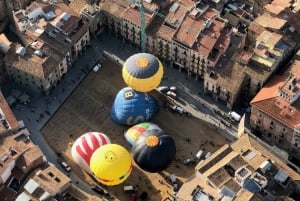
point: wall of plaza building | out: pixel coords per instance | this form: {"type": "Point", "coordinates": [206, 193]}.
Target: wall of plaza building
{"type": "Point", "coordinates": [170, 51]}
{"type": "Point", "coordinates": [272, 129]}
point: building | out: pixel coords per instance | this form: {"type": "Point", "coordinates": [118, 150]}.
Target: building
{"type": "Point", "coordinates": [53, 37]}
{"type": "Point", "coordinates": [59, 23]}
{"type": "Point", "coordinates": [244, 171]}
{"type": "Point", "coordinates": [9, 123]}
{"type": "Point", "coordinates": [19, 156]}
{"type": "Point", "coordinates": [38, 65]}
{"type": "Point", "coordinates": [44, 183]}
{"type": "Point", "coordinates": [276, 112]}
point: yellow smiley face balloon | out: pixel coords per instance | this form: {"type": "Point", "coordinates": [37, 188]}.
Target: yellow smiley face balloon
{"type": "Point", "coordinates": [111, 164]}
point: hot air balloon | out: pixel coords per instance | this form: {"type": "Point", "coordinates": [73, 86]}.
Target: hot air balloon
{"type": "Point", "coordinates": [154, 151]}
{"type": "Point", "coordinates": [84, 147]}
{"type": "Point", "coordinates": [133, 132]}
{"type": "Point", "coordinates": [111, 164]}
{"type": "Point", "coordinates": [131, 107]}
{"type": "Point", "coordinates": [142, 72]}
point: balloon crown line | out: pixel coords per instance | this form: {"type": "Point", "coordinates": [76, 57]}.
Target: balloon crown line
{"type": "Point", "coordinates": [152, 141]}
{"type": "Point", "coordinates": [142, 62]}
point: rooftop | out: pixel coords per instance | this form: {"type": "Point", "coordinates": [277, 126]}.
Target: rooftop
{"type": "Point", "coordinates": [115, 7]}
{"type": "Point", "coordinates": [270, 102]}
{"type": "Point", "coordinates": [268, 21]}
{"type": "Point", "coordinates": [132, 14]}
{"type": "Point", "coordinates": [220, 169]}
{"type": "Point", "coordinates": [38, 65]}
{"type": "Point", "coordinates": [277, 6]}
{"type": "Point", "coordinates": [269, 39]}
{"type": "Point", "coordinates": [7, 116]}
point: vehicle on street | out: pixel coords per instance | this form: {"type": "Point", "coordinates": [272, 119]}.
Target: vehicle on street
{"type": "Point", "coordinates": [171, 94]}
{"type": "Point", "coordinates": [234, 116]}
{"type": "Point", "coordinates": [64, 165]}
{"type": "Point", "coordinates": [189, 161]}
{"type": "Point", "coordinates": [173, 88]}
{"type": "Point", "coordinates": [97, 189]}
{"type": "Point", "coordinates": [97, 67]}
{"type": "Point", "coordinates": [199, 154]}
{"type": "Point", "coordinates": [163, 89]}
{"type": "Point", "coordinates": [130, 189]}
{"type": "Point", "coordinates": [177, 109]}
{"type": "Point", "coordinates": [208, 154]}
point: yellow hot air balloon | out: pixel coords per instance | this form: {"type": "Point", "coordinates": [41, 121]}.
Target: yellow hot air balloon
{"type": "Point", "coordinates": [142, 72]}
{"type": "Point", "coordinates": [111, 164]}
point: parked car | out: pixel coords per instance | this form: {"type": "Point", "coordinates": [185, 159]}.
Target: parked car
{"type": "Point", "coordinates": [97, 67]}
{"type": "Point", "coordinates": [171, 94]}
{"type": "Point", "coordinates": [64, 165]}
{"type": "Point", "coordinates": [173, 88]}
{"type": "Point", "coordinates": [163, 89]}
{"type": "Point", "coordinates": [130, 188]}
{"type": "Point", "coordinates": [177, 109]}
{"type": "Point", "coordinates": [97, 189]}
{"type": "Point", "coordinates": [189, 161]}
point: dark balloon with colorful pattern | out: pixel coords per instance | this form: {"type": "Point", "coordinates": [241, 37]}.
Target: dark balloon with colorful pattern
{"type": "Point", "coordinates": [154, 151]}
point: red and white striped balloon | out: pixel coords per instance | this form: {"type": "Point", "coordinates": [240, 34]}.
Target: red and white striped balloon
{"type": "Point", "coordinates": [84, 147]}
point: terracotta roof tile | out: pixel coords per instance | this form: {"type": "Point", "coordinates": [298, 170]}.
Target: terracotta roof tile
{"type": "Point", "coordinates": [77, 5]}
{"type": "Point", "coordinates": [115, 7]}
{"type": "Point", "coordinates": [269, 90]}
{"type": "Point", "coordinates": [166, 32]}
{"type": "Point", "coordinates": [269, 102]}
{"type": "Point", "coordinates": [269, 21]}
{"type": "Point", "coordinates": [174, 18]}
{"type": "Point", "coordinates": [9, 115]}
{"type": "Point", "coordinates": [189, 30]}
{"type": "Point", "coordinates": [132, 14]}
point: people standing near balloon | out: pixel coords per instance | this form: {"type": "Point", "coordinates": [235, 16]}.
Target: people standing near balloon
{"type": "Point", "coordinates": [83, 148]}
{"type": "Point", "coordinates": [111, 164]}
{"type": "Point", "coordinates": [142, 72]}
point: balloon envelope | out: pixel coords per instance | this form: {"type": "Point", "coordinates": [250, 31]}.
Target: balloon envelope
{"type": "Point", "coordinates": [133, 132]}
{"type": "Point", "coordinates": [131, 107]}
{"type": "Point", "coordinates": [154, 151]}
{"type": "Point", "coordinates": [111, 164]}
{"type": "Point", "coordinates": [83, 148]}
{"type": "Point", "coordinates": [142, 72]}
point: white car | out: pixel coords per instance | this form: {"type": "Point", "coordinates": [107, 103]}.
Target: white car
{"type": "Point", "coordinates": [171, 94]}
{"type": "Point", "coordinates": [177, 109]}
{"type": "Point", "coordinates": [173, 88]}
{"type": "Point", "coordinates": [97, 67]}
{"type": "Point", "coordinates": [163, 89]}
{"type": "Point", "coordinates": [64, 165]}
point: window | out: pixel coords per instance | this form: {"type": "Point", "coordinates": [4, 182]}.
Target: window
{"type": "Point", "coordinates": [50, 174]}
{"type": "Point", "coordinates": [269, 135]}
{"type": "Point", "coordinates": [57, 179]}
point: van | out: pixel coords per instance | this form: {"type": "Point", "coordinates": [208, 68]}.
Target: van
{"type": "Point", "coordinates": [234, 116]}
{"type": "Point", "coordinates": [130, 189]}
